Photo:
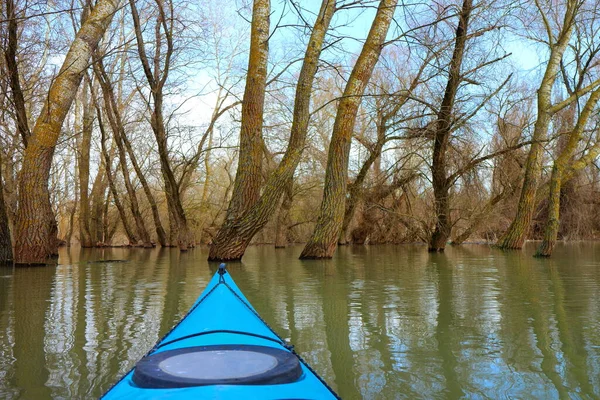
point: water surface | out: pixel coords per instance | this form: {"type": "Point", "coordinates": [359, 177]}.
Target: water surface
{"type": "Point", "coordinates": [377, 322]}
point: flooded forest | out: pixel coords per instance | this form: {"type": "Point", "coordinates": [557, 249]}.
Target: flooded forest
{"type": "Point", "coordinates": [175, 123]}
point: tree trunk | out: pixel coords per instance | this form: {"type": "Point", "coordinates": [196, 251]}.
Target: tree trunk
{"type": "Point", "coordinates": [228, 244]}
{"type": "Point", "coordinates": [514, 238]}
{"type": "Point", "coordinates": [283, 217]}
{"type": "Point", "coordinates": [553, 220]}
{"type": "Point", "coordinates": [116, 123]}
{"type": "Point", "coordinates": [85, 237]}
{"type": "Point", "coordinates": [246, 215]}
{"type": "Point", "coordinates": [323, 241]}
{"type": "Point", "coordinates": [440, 181]}
{"type": "Point", "coordinates": [6, 255]}
{"type": "Point", "coordinates": [36, 226]}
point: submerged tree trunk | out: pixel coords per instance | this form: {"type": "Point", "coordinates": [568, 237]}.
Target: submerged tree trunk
{"type": "Point", "coordinates": [560, 164]}
{"type": "Point", "coordinates": [36, 227]}
{"type": "Point", "coordinates": [6, 254]}
{"type": "Point", "coordinates": [247, 215]}
{"type": "Point", "coordinates": [324, 238]}
{"type": "Point", "coordinates": [440, 182]}
{"type": "Point", "coordinates": [514, 237]}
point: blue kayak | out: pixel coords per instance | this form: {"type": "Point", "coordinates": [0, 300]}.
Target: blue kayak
{"type": "Point", "coordinates": [222, 349]}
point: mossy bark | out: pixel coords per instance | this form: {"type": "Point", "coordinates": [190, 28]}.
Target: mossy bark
{"type": "Point", "coordinates": [322, 243]}
{"type": "Point", "coordinates": [514, 238]}
{"type": "Point", "coordinates": [247, 214]}
{"type": "Point", "coordinates": [36, 230]}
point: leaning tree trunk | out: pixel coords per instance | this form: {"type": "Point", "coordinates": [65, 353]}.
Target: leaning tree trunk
{"type": "Point", "coordinates": [6, 254]}
{"type": "Point", "coordinates": [514, 238]}
{"type": "Point", "coordinates": [36, 228]}
{"type": "Point", "coordinates": [560, 165]}
{"type": "Point", "coordinates": [228, 244]}
{"type": "Point", "coordinates": [245, 218]}
{"type": "Point", "coordinates": [324, 238]}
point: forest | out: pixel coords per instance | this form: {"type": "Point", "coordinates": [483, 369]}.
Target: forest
{"type": "Point", "coordinates": [178, 123]}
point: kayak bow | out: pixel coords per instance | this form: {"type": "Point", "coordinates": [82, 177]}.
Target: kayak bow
{"type": "Point", "coordinates": [222, 349]}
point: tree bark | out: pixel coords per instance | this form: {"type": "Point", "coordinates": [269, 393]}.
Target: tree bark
{"type": "Point", "coordinates": [514, 238]}
{"type": "Point", "coordinates": [324, 238]}
{"type": "Point", "coordinates": [440, 182]}
{"type": "Point", "coordinates": [560, 164]}
{"type": "Point", "coordinates": [6, 254]}
{"type": "Point", "coordinates": [247, 215]}
{"type": "Point", "coordinates": [36, 226]}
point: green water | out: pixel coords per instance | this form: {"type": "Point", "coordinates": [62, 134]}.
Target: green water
{"type": "Point", "coordinates": [378, 322]}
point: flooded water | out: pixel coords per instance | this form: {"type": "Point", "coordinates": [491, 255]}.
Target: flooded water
{"type": "Point", "coordinates": [377, 322]}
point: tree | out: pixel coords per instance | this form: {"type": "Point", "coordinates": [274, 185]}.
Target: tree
{"type": "Point", "coordinates": [36, 229]}
{"type": "Point", "coordinates": [245, 216]}
{"type": "Point", "coordinates": [558, 170]}
{"type": "Point", "coordinates": [514, 237]}
{"type": "Point", "coordinates": [323, 240]}
{"type": "Point", "coordinates": [156, 77]}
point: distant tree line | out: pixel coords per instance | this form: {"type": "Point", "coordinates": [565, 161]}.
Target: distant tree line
{"type": "Point", "coordinates": [179, 123]}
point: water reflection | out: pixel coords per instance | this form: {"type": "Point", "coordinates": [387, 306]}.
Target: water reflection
{"type": "Point", "coordinates": [377, 322]}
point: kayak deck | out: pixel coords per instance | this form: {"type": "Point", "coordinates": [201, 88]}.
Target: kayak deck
{"type": "Point", "coordinates": [222, 316]}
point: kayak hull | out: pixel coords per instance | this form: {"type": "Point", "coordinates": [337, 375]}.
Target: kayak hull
{"type": "Point", "coordinates": [222, 316]}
